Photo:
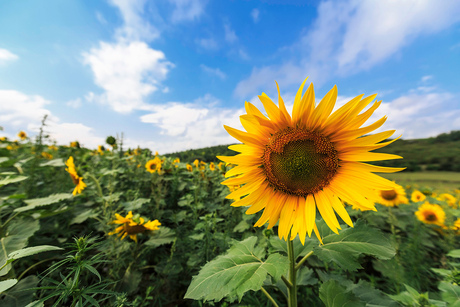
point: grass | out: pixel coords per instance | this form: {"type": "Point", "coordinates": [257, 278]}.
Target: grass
{"type": "Point", "coordinates": [438, 180]}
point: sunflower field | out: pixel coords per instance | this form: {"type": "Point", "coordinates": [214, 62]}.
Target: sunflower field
{"type": "Point", "coordinates": [133, 228]}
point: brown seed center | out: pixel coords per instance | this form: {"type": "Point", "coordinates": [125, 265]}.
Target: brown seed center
{"type": "Point", "coordinates": [299, 162]}
{"type": "Point", "coordinates": [389, 194]}
{"type": "Point", "coordinates": [430, 217]}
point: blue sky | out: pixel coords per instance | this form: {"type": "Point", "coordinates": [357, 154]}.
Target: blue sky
{"type": "Point", "coordinates": [170, 73]}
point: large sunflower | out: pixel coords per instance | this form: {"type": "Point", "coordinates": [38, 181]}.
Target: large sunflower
{"type": "Point", "coordinates": [291, 166]}
{"type": "Point", "coordinates": [77, 180]}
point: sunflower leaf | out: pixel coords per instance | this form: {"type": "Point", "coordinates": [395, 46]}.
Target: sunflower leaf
{"type": "Point", "coordinates": [345, 248]}
{"type": "Point", "coordinates": [235, 273]}
{"type": "Point", "coordinates": [44, 201]}
{"type": "Point", "coordinates": [450, 293]}
{"type": "Point", "coordinates": [334, 295]}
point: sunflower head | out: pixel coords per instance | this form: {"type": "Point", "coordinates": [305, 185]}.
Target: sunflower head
{"type": "Point", "coordinates": [291, 165]}
{"type": "Point", "coordinates": [449, 199]}
{"type": "Point", "coordinates": [154, 165]}
{"type": "Point", "coordinates": [75, 144]}
{"type": "Point", "coordinates": [77, 180]}
{"type": "Point", "coordinates": [22, 135]}
{"type": "Point", "coordinates": [189, 168]}
{"type": "Point", "coordinates": [111, 140]}
{"type": "Point", "coordinates": [431, 214]}
{"type": "Point", "coordinates": [132, 226]}
{"type": "Point", "coordinates": [47, 155]}
{"type": "Point", "coordinates": [196, 163]}
{"type": "Point", "coordinates": [417, 196]}
{"type": "Point", "coordinates": [393, 197]}
{"type": "Point", "coordinates": [212, 166]}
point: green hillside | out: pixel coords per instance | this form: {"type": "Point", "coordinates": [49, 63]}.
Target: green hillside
{"type": "Point", "coordinates": [441, 153]}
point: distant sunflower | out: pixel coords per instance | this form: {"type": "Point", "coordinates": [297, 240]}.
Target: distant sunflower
{"type": "Point", "coordinates": [196, 163]}
{"type": "Point", "coordinates": [449, 199]}
{"type": "Point", "coordinates": [75, 144]}
{"type": "Point", "coordinates": [189, 167]}
{"type": "Point", "coordinates": [417, 196]}
{"type": "Point", "coordinates": [393, 197]}
{"type": "Point", "coordinates": [100, 149]}
{"type": "Point", "coordinates": [47, 155]}
{"type": "Point", "coordinates": [176, 162]}
{"type": "Point", "coordinates": [431, 214]}
{"type": "Point", "coordinates": [22, 135]}
{"type": "Point", "coordinates": [131, 227]}
{"type": "Point", "coordinates": [77, 180]}
{"type": "Point", "coordinates": [291, 166]}
{"type": "Point", "coordinates": [153, 165]}
{"type": "Point", "coordinates": [212, 166]}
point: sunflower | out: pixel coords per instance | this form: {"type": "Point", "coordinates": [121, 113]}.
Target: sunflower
{"type": "Point", "coordinates": [47, 155]}
{"type": "Point", "coordinates": [196, 163]}
{"type": "Point", "coordinates": [176, 162]}
{"type": "Point", "coordinates": [153, 165]}
{"type": "Point", "coordinates": [189, 168]}
{"type": "Point", "coordinates": [292, 165]}
{"type": "Point", "coordinates": [100, 149]}
{"type": "Point", "coordinates": [451, 200]}
{"type": "Point", "coordinates": [417, 196]}
{"type": "Point", "coordinates": [22, 135]}
{"type": "Point", "coordinates": [431, 214]}
{"type": "Point", "coordinates": [132, 227]}
{"type": "Point", "coordinates": [77, 180]}
{"type": "Point", "coordinates": [393, 197]}
{"type": "Point", "coordinates": [212, 166]}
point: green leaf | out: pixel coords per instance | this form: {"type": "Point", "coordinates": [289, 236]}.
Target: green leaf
{"type": "Point", "coordinates": [9, 180]}
{"type": "Point", "coordinates": [299, 249]}
{"type": "Point", "coordinates": [22, 293]}
{"type": "Point", "coordinates": [16, 238]}
{"type": "Point", "coordinates": [55, 163]}
{"type": "Point", "coordinates": [334, 295]}
{"type": "Point", "coordinates": [345, 248]}
{"type": "Point", "coordinates": [6, 284]}
{"type": "Point", "coordinates": [38, 202]}
{"type": "Point", "coordinates": [164, 235]}
{"type": "Point", "coordinates": [92, 270]}
{"type": "Point", "coordinates": [454, 253]}
{"type": "Point", "coordinates": [450, 293]}
{"type": "Point", "coordinates": [29, 251]}
{"type": "Point", "coordinates": [3, 159]}
{"type": "Point", "coordinates": [235, 273]}
{"type": "Point", "coordinates": [136, 204]}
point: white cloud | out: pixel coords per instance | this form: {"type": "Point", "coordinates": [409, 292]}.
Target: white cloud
{"type": "Point", "coordinates": [128, 72]}
{"type": "Point", "coordinates": [64, 133]}
{"type": "Point", "coordinates": [207, 43]}
{"type": "Point", "coordinates": [6, 56]}
{"type": "Point", "coordinates": [75, 103]}
{"type": "Point", "coordinates": [192, 125]}
{"type": "Point", "coordinates": [213, 71]}
{"type": "Point", "coordinates": [255, 15]}
{"type": "Point", "coordinates": [426, 78]}
{"type": "Point", "coordinates": [351, 36]}
{"type": "Point", "coordinates": [230, 35]}
{"type": "Point", "coordinates": [187, 10]}
{"type": "Point", "coordinates": [19, 111]}
{"type": "Point", "coordinates": [135, 27]}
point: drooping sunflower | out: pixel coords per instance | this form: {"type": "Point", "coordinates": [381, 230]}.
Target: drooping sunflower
{"type": "Point", "coordinates": [417, 196]}
{"type": "Point", "coordinates": [291, 166]}
{"type": "Point", "coordinates": [189, 168]}
{"type": "Point", "coordinates": [77, 180]}
{"type": "Point", "coordinates": [22, 135]}
{"type": "Point", "coordinates": [393, 197]}
{"type": "Point", "coordinates": [431, 214]}
{"type": "Point", "coordinates": [154, 165]}
{"type": "Point", "coordinates": [131, 227]}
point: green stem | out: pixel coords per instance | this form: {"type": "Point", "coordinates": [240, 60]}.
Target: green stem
{"type": "Point", "coordinates": [269, 297]}
{"type": "Point", "coordinates": [292, 291]}
{"type": "Point", "coordinates": [297, 267]}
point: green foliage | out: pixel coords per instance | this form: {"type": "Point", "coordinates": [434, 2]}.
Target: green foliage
{"type": "Point", "coordinates": [334, 295]}
{"type": "Point", "coordinates": [240, 270]}
{"type": "Point", "coordinates": [345, 248]}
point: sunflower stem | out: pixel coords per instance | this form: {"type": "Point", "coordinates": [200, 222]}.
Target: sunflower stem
{"type": "Point", "coordinates": [269, 297]}
{"type": "Point", "coordinates": [286, 281]}
{"type": "Point", "coordinates": [292, 291]}
{"type": "Point", "coordinates": [297, 267]}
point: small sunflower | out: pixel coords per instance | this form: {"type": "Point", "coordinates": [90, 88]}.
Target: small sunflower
{"type": "Point", "coordinates": [212, 166]}
{"type": "Point", "coordinates": [196, 163]}
{"type": "Point", "coordinates": [292, 165]}
{"type": "Point", "coordinates": [449, 199]}
{"type": "Point", "coordinates": [176, 162]}
{"type": "Point", "coordinates": [75, 144]}
{"type": "Point", "coordinates": [3, 138]}
{"type": "Point", "coordinates": [53, 147]}
{"type": "Point", "coordinates": [153, 165]}
{"type": "Point", "coordinates": [22, 135]}
{"type": "Point", "coordinates": [132, 227]}
{"type": "Point", "coordinates": [100, 149]}
{"type": "Point", "coordinates": [77, 180]}
{"type": "Point", "coordinates": [393, 197]}
{"type": "Point", "coordinates": [417, 196]}
{"type": "Point", "coordinates": [189, 167]}
{"type": "Point", "coordinates": [47, 155]}
{"type": "Point", "coordinates": [431, 214]}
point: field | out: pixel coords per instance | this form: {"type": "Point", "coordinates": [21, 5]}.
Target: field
{"type": "Point", "coordinates": [116, 227]}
